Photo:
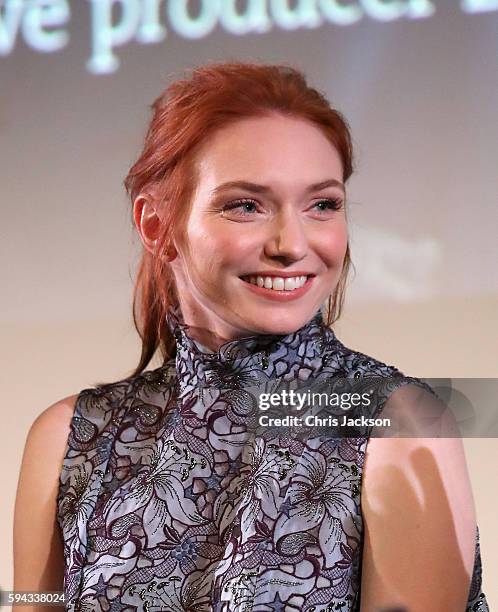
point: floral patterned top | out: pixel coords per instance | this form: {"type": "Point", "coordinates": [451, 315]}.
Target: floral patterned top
{"type": "Point", "coordinates": [167, 503]}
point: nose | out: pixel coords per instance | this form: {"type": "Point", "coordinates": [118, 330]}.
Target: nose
{"type": "Point", "coordinates": [287, 239]}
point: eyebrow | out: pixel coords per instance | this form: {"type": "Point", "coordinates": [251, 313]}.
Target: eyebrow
{"type": "Point", "coordinates": [256, 188]}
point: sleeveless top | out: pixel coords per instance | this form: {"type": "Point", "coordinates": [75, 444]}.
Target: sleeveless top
{"type": "Point", "coordinates": [164, 502]}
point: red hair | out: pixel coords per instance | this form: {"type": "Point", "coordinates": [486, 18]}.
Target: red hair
{"type": "Point", "coordinates": [184, 116]}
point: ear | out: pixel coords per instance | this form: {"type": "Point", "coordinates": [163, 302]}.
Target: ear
{"type": "Point", "coordinates": [148, 221]}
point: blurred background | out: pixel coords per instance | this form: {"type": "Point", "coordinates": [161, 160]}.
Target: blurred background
{"type": "Point", "coordinates": [417, 81]}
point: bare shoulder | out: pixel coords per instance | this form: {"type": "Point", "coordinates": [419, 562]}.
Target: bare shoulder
{"type": "Point", "coordinates": [38, 549]}
{"type": "Point", "coordinates": [421, 469]}
{"type": "Point", "coordinates": [429, 458]}
{"type": "Point", "coordinates": [419, 521]}
{"type": "Point", "coordinates": [47, 439]}
{"type": "Point", "coordinates": [55, 420]}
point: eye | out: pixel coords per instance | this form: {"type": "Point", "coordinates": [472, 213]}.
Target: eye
{"type": "Point", "coordinates": [244, 205]}
{"type": "Point", "coordinates": [329, 204]}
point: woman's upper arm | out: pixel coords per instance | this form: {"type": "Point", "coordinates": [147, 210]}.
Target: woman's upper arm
{"type": "Point", "coordinates": [38, 548]}
{"type": "Point", "coordinates": [419, 522]}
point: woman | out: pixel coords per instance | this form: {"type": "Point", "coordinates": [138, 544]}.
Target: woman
{"type": "Point", "coordinates": [164, 501]}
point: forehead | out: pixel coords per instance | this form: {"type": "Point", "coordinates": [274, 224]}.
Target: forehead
{"type": "Point", "coordinates": [274, 150]}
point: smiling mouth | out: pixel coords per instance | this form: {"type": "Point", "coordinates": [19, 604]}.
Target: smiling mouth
{"type": "Point", "coordinates": [278, 283]}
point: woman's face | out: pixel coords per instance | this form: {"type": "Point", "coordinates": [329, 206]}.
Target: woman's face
{"type": "Point", "coordinates": [269, 203]}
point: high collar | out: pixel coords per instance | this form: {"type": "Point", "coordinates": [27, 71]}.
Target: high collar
{"type": "Point", "coordinates": [247, 360]}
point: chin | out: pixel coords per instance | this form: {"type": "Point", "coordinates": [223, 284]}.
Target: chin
{"type": "Point", "coordinates": [279, 323]}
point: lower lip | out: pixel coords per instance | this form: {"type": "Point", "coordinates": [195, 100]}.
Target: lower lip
{"type": "Point", "coordinates": [279, 296]}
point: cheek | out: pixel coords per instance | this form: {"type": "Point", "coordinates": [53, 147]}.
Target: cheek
{"type": "Point", "coordinates": [214, 249]}
{"type": "Point", "coordinates": [332, 245]}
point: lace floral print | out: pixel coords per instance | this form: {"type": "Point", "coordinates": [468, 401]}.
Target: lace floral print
{"type": "Point", "coordinates": [168, 502]}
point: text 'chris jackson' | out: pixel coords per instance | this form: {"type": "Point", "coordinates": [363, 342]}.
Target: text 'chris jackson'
{"type": "Point", "coordinates": [308, 401]}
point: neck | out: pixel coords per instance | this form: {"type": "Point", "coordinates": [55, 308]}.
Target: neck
{"type": "Point", "coordinates": [209, 330]}
{"type": "Point", "coordinates": [207, 338]}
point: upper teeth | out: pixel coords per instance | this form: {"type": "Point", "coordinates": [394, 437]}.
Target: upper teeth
{"type": "Point", "coordinates": [277, 282]}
